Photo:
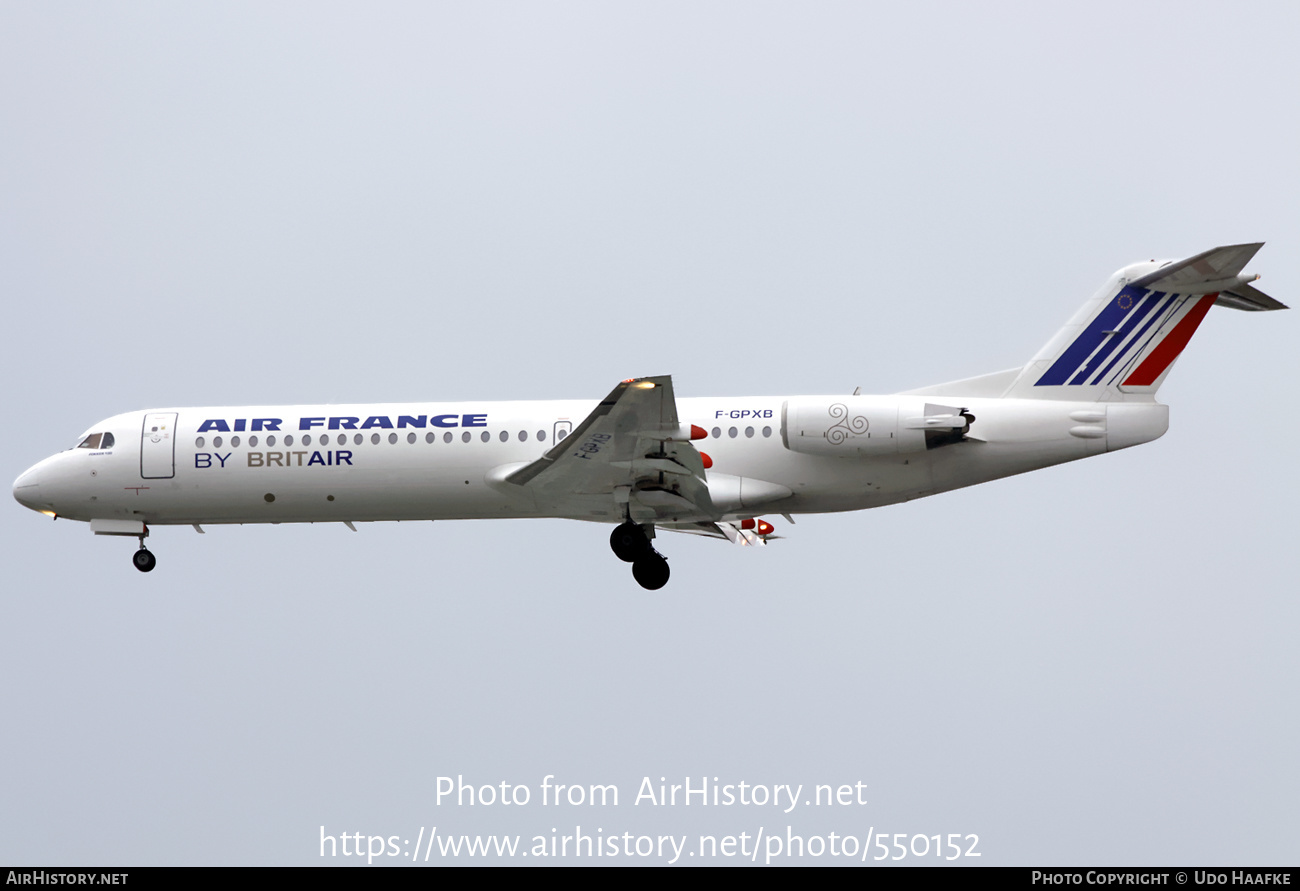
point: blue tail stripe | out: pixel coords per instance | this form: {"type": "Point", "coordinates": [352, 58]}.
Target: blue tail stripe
{"type": "Point", "coordinates": [1091, 337]}
{"type": "Point", "coordinates": [1154, 299]}
{"type": "Point", "coordinates": [1121, 334]}
{"type": "Point", "coordinates": [1167, 312]}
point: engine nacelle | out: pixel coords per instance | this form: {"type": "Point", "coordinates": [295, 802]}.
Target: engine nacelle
{"type": "Point", "coordinates": [845, 427]}
{"type": "Point", "coordinates": [867, 426]}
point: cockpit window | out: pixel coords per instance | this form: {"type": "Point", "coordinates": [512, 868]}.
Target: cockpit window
{"type": "Point", "coordinates": [97, 441]}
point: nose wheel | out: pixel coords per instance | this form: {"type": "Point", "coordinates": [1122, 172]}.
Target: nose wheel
{"type": "Point", "coordinates": [144, 560]}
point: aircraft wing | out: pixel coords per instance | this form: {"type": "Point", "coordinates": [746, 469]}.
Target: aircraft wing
{"type": "Point", "coordinates": [631, 449]}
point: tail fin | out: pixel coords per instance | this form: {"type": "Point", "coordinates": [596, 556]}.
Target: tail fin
{"type": "Point", "coordinates": [1126, 338]}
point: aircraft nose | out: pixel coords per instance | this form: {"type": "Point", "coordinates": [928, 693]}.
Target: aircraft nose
{"type": "Point", "coordinates": [27, 489]}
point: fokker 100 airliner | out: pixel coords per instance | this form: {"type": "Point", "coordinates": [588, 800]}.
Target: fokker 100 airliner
{"type": "Point", "coordinates": [643, 459]}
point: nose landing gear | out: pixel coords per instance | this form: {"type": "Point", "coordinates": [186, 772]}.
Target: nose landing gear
{"type": "Point", "coordinates": [631, 544]}
{"type": "Point", "coordinates": [143, 559]}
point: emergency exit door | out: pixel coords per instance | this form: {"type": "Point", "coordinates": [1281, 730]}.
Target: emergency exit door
{"type": "Point", "coordinates": [561, 430]}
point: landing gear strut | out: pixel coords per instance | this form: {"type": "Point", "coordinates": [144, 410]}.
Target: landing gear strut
{"type": "Point", "coordinates": [631, 545]}
{"type": "Point", "coordinates": [144, 559]}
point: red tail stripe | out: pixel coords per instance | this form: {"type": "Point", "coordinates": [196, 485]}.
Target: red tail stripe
{"type": "Point", "coordinates": [1167, 351]}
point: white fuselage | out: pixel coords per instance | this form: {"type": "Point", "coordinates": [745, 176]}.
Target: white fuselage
{"type": "Point", "coordinates": [436, 461]}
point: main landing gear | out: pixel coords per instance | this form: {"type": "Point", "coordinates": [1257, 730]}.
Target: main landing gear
{"type": "Point", "coordinates": [631, 545]}
{"type": "Point", "coordinates": [144, 559]}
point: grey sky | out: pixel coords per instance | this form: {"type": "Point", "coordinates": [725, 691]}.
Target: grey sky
{"type": "Point", "coordinates": [241, 203]}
